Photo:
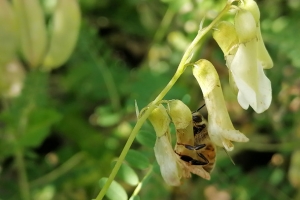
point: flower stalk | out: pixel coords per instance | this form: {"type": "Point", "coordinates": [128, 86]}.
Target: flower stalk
{"type": "Point", "coordinates": [182, 65]}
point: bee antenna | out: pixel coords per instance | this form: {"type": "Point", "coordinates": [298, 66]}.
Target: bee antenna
{"type": "Point", "coordinates": [200, 107]}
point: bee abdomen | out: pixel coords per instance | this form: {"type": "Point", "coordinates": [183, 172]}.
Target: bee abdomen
{"type": "Point", "coordinates": [209, 167]}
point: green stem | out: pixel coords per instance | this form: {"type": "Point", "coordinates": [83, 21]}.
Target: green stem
{"type": "Point", "coordinates": [166, 21]}
{"type": "Point", "coordinates": [139, 186]}
{"type": "Point", "coordinates": [185, 59]}
{"type": "Point", "coordinates": [109, 82]}
{"type": "Point", "coordinates": [23, 182]}
{"type": "Point", "coordinates": [58, 172]}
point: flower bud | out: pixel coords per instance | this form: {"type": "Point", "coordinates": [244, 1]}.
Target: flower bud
{"type": "Point", "coordinates": [160, 120]}
{"type": "Point", "coordinates": [252, 7]}
{"type": "Point", "coordinates": [64, 33]}
{"type": "Point", "coordinates": [8, 33]}
{"type": "Point", "coordinates": [32, 30]}
{"type": "Point", "coordinates": [245, 26]}
{"type": "Point", "coordinates": [226, 37]}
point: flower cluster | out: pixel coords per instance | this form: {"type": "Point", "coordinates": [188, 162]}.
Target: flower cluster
{"type": "Point", "coordinates": [246, 58]}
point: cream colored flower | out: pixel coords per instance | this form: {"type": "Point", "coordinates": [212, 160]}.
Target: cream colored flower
{"type": "Point", "coordinates": [172, 167]}
{"type": "Point", "coordinates": [247, 71]}
{"type": "Point", "coordinates": [246, 57]}
{"type": "Point", "coordinates": [220, 128]}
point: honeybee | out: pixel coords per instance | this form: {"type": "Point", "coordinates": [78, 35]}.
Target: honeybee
{"type": "Point", "coordinates": [207, 153]}
{"type": "Point", "coordinates": [205, 149]}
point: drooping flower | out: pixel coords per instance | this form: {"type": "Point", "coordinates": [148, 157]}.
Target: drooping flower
{"type": "Point", "coordinates": [172, 167]}
{"type": "Point", "coordinates": [220, 128]}
{"type": "Point", "coordinates": [165, 156]}
{"type": "Point", "coordinates": [182, 119]}
{"type": "Point", "coordinates": [246, 57]}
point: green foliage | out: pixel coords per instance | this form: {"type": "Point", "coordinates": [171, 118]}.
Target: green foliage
{"type": "Point", "coordinates": [71, 123]}
{"type": "Point", "coordinates": [137, 159]}
{"type": "Point", "coordinates": [115, 191]}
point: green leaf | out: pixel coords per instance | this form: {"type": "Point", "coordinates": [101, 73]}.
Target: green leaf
{"type": "Point", "coordinates": [146, 138]}
{"type": "Point", "coordinates": [106, 117]}
{"type": "Point", "coordinates": [127, 174]}
{"type": "Point", "coordinates": [39, 124]}
{"type": "Point", "coordinates": [277, 176]}
{"type": "Point", "coordinates": [115, 190]}
{"type": "Point", "coordinates": [137, 159]}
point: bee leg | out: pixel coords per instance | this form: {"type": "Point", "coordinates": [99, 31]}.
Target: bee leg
{"type": "Point", "coordinates": [203, 157]}
{"type": "Point", "coordinates": [191, 160]}
{"type": "Point", "coordinates": [190, 147]}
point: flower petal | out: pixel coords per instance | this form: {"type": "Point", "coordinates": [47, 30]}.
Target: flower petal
{"type": "Point", "coordinates": [235, 136]}
{"type": "Point", "coordinates": [262, 53]}
{"type": "Point", "coordinates": [198, 170]}
{"type": "Point", "coordinates": [167, 161]}
{"type": "Point", "coordinates": [254, 87]}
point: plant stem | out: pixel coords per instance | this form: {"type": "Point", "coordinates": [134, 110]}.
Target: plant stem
{"type": "Point", "coordinates": [60, 171]}
{"type": "Point", "coordinates": [23, 182]}
{"type": "Point", "coordinates": [139, 186]}
{"type": "Point", "coordinates": [182, 65]}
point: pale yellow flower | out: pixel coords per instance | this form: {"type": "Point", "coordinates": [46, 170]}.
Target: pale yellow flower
{"type": "Point", "coordinates": [220, 128]}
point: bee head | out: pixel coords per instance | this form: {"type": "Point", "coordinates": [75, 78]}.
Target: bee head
{"type": "Point", "coordinates": [198, 119]}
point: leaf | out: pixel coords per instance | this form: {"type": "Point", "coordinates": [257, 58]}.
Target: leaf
{"type": "Point", "coordinates": [115, 190]}
{"type": "Point", "coordinates": [8, 32]}
{"type": "Point", "coordinates": [106, 117]}
{"type": "Point", "coordinates": [277, 176]}
{"type": "Point", "coordinates": [39, 124]}
{"type": "Point", "coordinates": [146, 138]}
{"type": "Point", "coordinates": [127, 174]}
{"type": "Point", "coordinates": [65, 28]}
{"type": "Point", "coordinates": [32, 30]}
{"type": "Point", "coordinates": [137, 159]}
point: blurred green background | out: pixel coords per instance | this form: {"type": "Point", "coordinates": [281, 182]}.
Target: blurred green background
{"type": "Point", "coordinates": [68, 126]}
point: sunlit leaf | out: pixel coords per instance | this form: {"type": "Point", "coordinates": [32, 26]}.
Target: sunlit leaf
{"type": "Point", "coordinates": [115, 190]}
{"type": "Point", "coordinates": [127, 174]}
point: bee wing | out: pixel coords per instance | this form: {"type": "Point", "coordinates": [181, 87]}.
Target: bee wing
{"type": "Point", "coordinates": [198, 170]}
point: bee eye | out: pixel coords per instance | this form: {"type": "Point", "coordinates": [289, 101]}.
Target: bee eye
{"type": "Point", "coordinates": [197, 118]}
